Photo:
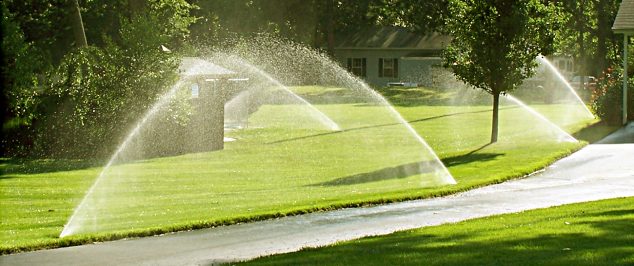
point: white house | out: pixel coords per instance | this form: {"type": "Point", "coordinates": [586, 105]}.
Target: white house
{"type": "Point", "coordinates": [382, 55]}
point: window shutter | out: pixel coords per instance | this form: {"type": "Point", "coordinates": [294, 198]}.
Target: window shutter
{"type": "Point", "coordinates": [380, 67]}
{"type": "Point", "coordinates": [349, 64]}
{"type": "Point", "coordinates": [395, 68]}
{"type": "Point", "coordinates": [363, 67]}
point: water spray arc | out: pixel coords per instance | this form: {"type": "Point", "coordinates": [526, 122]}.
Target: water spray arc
{"type": "Point", "coordinates": [319, 115]}
{"type": "Point", "coordinates": [563, 135]}
{"type": "Point", "coordinates": [441, 170]}
{"type": "Point", "coordinates": [251, 168]}
{"type": "Point", "coordinates": [73, 222]}
{"type": "Point", "coordinates": [544, 61]}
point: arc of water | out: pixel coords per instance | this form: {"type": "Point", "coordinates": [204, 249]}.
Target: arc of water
{"type": "Point", "coordinates": [446, 177]}
{"type": "Point", "coordinates": [542, 59]}
{"type": "Point", "coordinates": [323, 118]}
{"type": "Point", "coordinates": [233, 104]}
{"type": "Point", "coordinates": [565, 136]}
{"type": "Point", "coordinates": [70, 226]}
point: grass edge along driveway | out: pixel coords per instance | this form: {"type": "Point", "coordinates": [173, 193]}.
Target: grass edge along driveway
{"type": "Point", "coordinates": [590, 233]}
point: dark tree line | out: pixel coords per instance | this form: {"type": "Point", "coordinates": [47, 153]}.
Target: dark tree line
{"type": "Point", "coordinates": [76, 71]}
{"type": "Point", "coordinates": [74, 65]}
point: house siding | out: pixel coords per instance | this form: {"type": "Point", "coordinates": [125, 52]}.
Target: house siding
{"type": "Point", "coordinates": [418, 70]}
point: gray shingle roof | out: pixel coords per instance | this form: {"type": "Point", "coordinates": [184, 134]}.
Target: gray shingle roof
{"type": "Point", "coordinates": [391, 38]}
{"type": "Point", "coordinates": [624, 21]}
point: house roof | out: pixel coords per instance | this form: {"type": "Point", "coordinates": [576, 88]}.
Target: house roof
{"type": "Point", "coordinates": [624, 22]}
{"type": "Point", "coordinates": [195, 66]}
{"type": "Point", "coordinates": [392, 38]}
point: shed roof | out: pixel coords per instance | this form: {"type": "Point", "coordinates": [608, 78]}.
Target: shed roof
{"type": "Point", "coordinates": [624, 22]}
{"type": "Point", "coordinates": [195, 66]}
{"type": "Point", "coordinates": [389, 37]}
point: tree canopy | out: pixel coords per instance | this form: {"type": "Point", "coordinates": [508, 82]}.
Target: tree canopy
{"type": "Point", "coordinates": [62, 99]}
{"type": "Point", "coordinates": [495, 44]}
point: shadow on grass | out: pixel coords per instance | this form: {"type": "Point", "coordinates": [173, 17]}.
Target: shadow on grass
{"type": "Point", "coordinates": [399, 96]}
{"type": "Point", "coordinates": [471, 156]}
{"type": "Point", "coordinates": [605, 244]}
{"type": "Point", "coordinates": [332, 97]}
{"type": "Point", "coordinates": [397, 172]}
{"type": "Point", "coordinates": [614, 213]}
{"type": "Point", "coordinates": [11, 166]}
{"type": "Point", "coordinates": [409, 97]}
{"type": "Point", "coordinates": [403, 96]}
{"type": "Point", "coordinates": [385, 125]}
{"type": "Point", "coordinates": [595, 132]}
{"type": "Point", "coordinates": [410, 169]}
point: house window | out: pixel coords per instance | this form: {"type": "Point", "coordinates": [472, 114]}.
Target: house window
{"type": "Point", "coordinates": [357, 66]}
{"type": "Point", "coordinates": [388, 67]}
{"type": "Point", "coordinates": [558, 64]}
{"type": "Point", "coordinates": [195, 90]}
{"type": "Point", "coordinates": [564, 65]}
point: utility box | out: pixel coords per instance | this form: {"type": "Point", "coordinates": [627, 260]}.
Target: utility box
{"type": "Point", "coordinates": [211, 85]}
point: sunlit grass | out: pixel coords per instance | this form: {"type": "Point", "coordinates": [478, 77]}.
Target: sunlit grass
{"type": "Point", "coordinates": [594, 233]}
{"type": "Point", "coordinates": [270, 172]}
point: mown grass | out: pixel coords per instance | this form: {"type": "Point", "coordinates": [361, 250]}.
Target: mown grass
{"type": "Point", "coordinates": [277, 171]}
{"type": "Point", "coordinates": [593, 233]}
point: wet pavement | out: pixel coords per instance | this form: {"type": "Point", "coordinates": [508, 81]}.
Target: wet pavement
{"type": "Point", "coordinates": [598, 171]}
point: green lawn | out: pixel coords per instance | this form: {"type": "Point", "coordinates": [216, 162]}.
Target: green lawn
{"type": "Point", "coordinates": [593, 233]}
{"type": "Point", "coordinates": [284, 163]}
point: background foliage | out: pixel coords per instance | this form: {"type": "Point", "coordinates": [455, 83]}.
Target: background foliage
{"type": "Point", "coordinates": [51, 88]}
{"type": "Point", "coordinates": [86, 98]}
{"type": "Point", "coordinates": [608, 97]}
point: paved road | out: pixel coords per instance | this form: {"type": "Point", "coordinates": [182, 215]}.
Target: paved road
{"type": "Point", "coordinates": [598, 171]}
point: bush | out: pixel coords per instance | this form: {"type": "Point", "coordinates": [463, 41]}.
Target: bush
{"type": "Point", "coordinates": [62, 101]}
{"type": "Point", "coordinates": [607, 98]}
{"type": "Point", "coordinates": [96, 94]}
{"type": "Point", "coordinates": [20, 84]}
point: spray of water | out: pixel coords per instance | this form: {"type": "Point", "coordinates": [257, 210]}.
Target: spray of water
{"type": "Point", "coordinates": [562, 135]}
{"type": "Point", "coordinates": [236, 109]}
{"type": "Point", "coordinates": [544, 61]}
{"type": "Point", "coordinates": [441, 171]}
{"type": "Point", "coordinates": [319, 115]}
{"type": "Point", "coordinates": [73, 223]}
{"type": "Point", "coordinates": [373, 149]}
{"type": "Point", "coordinates": [335, 72]}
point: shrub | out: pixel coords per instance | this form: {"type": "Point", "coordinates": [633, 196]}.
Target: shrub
{"type": "Point", "coordinates": [607, 98]}
{"type": "Point", "coordinates": [20, 84]}
{"type": "Point", "coordinates": [95, 94]}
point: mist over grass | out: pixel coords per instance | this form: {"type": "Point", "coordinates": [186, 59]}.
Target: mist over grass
{"type": "Point", "coordinates": [276, 171]}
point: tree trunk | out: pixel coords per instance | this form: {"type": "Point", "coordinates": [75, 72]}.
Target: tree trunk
{"type": "Point", "coordinates": [603, 31]}
{"type": "Point", "coordinates": [330, 26]}
{"type": "Point", "coordinates": [318, 12]}
{"type": "Point", "coordinates": [582, 50]}
{"type": "Point", "coordinates": [494, 124]}
{"type": "Point", "coordinates": [78, 25]}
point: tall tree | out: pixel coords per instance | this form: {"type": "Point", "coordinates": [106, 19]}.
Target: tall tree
{"type": "Point", "coordinates": [20, 62]}
{"type": "Point", "coordinates": [419, 15]}
{"type": "Point", "coordinates": [346, 16]}
{"type": "Point", "coordinates": [606, 13]}
{"type": "Point", "coordinates": [586, 33]}
{"type": "Point", "coordinates": [329, 25]}
{"type": "Point", "coordinates": [495, 44]}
